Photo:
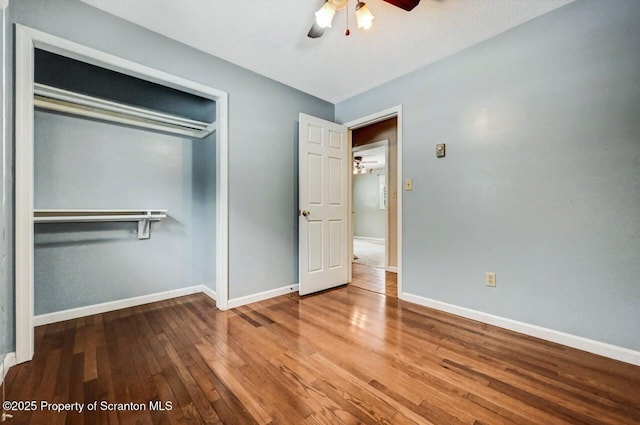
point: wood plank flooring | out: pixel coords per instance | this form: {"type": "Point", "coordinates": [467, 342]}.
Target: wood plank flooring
{"type": "Point", "coordinates": [345, 356]}
{"type": "Point", "coordinates": [375, 279]}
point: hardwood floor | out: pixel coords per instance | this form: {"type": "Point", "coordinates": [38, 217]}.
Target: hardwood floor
{"type": "Point", "coordinates": [344, 356]}
{"type": "Point", "coordinates": [375, 279]}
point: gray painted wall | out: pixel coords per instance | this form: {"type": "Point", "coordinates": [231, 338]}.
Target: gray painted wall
{"type": "Point", "coordinates": [262, 137]}
{"type": "Point", "coordinates": [540, 183]}
{"type": "Point", "coordinates": [203, 194]}
{"type": "Point", "coordinates": [369, 220]}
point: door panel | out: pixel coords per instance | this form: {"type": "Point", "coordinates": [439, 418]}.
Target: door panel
{"type": "Point", "coordinates": [336, 140]}
{"type": "Point", "coordinates": [323, 167]}
{"type": "Point", "coordinates": [335, 241]}
{"type": "Point", "coordinates": [315, 246]}
{"type": "Point", "coordinates": [315, 179]}
{"type": "Point", "coordinates": [336, 184]}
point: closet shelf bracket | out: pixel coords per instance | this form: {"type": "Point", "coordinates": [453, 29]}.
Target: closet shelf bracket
{"type": "Point", "coordinates": [144, 217]}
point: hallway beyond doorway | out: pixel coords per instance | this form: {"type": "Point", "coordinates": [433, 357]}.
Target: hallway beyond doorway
{"type": "Point", "coordinates": [369, 252]}
{"type": "Point", "coordinates": [375, 280]}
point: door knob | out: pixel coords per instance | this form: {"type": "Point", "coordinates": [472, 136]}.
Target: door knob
{"type": "Point", "coordinates": [306, 213]}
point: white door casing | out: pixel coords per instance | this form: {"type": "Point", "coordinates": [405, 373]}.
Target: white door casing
{"type": "Point", "coordinates": [323, 219]}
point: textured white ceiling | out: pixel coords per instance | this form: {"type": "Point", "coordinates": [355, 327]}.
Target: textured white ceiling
{"type": "Point", "coordinates": [269, 36]}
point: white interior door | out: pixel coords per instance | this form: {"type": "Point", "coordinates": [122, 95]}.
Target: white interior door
{"type": "Point", "coordinates": [323, 166]}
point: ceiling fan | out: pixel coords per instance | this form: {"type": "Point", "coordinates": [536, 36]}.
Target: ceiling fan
{"type": "Point", "coordinates": [358, 164]}
{"type": "Point", "coordinates": [364, 17]}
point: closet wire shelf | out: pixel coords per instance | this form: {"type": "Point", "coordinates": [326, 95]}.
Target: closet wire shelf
{"type": "Point", "coordinates": [144, 217]}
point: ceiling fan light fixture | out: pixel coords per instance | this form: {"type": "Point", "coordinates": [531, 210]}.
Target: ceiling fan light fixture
{"type": "Point", "coordinates": [358, 166]}
{"type": "Point", "coordinates": [364, 17]}
{"type": "Point", "coordinates": [324, 16]}
{"type": "Point", "coordinates": [359, 169]}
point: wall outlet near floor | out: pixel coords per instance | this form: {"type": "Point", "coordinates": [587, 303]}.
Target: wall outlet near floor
{"type": "Point", "coordinates": [490, 279]}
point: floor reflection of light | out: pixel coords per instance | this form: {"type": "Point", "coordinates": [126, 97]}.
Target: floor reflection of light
{"type": "Point", "coordinates": [373, 325]}
{"type": "Point", "coordinates": [358, 318]}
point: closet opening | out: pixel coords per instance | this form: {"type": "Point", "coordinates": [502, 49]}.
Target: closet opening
{"type": "Point", "coordinates": [121, 185]}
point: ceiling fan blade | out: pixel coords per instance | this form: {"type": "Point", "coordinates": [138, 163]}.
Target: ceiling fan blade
{"type": "Point", "coordinates": [316, 31]}
{"type": "Point", "coordinates": [404, 4]}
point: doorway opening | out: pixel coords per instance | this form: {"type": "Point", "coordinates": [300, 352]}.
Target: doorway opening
{"type": "Point", "coordinates": [375, 201]}
{"type": "Point", "coordinates": [369, 188]}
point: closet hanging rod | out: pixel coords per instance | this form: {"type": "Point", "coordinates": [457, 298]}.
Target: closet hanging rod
{"type": "Point", "coordinates": [60, 100]}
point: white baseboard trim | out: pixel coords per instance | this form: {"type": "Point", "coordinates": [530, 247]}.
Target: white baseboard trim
{"type": "Point", "coordinates": [206, 289]}
{"type": "Point", "coordinates": [596, 347]}
{"type": "Point", "coordinates": [261, 296]}
{"type": "Point", "coordinates": [8, 361]}
{"type": "Point", "coordinates": [392, 269]}
{"type": "Point", "coordinates": [366, 238]}
{"type": "Point", "coordinates": [74, 313]}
